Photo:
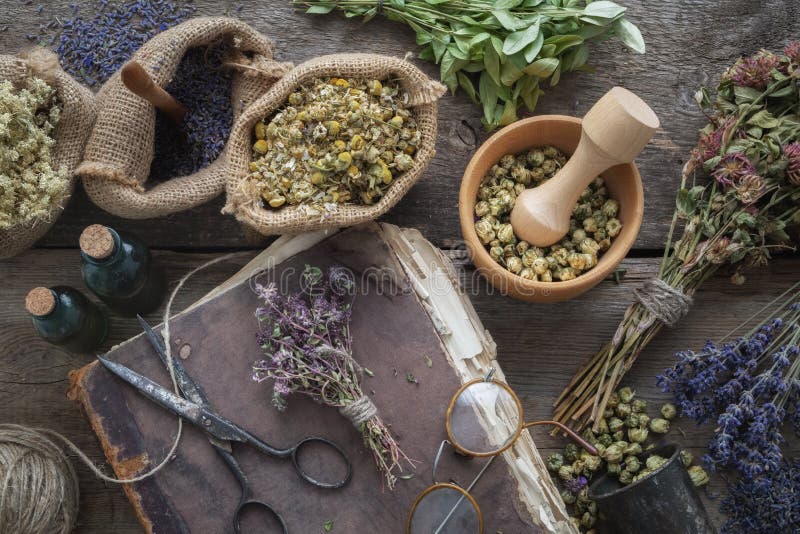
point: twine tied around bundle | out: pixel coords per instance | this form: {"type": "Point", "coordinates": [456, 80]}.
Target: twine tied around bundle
{"type": "Point", "coordinates": [359, 411]}
{"type": "Point", "coordinates": [666, 303]}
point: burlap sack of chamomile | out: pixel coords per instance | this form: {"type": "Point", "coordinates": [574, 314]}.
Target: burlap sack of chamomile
{"type": "Point", "coordinates": [32, 201]}
{"type": "Point", "coordinates": [120, 151]}
{"type": "Point", "coordinates": [244, 200]}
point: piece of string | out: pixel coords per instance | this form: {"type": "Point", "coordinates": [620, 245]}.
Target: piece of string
{"type": "Point", "coordinates": [359, 411]}
{"type": "Point", "coordinates": [165, 333]}
{"type": "Point", "coordinates": [668, 304]}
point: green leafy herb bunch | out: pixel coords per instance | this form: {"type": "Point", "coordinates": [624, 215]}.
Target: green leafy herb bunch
{"type": "Point", "coordinates": [500, 51]}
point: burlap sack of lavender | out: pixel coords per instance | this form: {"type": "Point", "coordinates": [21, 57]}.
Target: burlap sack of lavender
{"type": "Point", "coordinates": [45, 117]}
{"type": "Point", "coordinates": [137, 163]}
{"type": "Point", "coordinates": [336, 142]}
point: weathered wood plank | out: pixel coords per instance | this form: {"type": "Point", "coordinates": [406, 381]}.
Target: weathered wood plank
{"type": "Point", "coordinates": [689, 43]}
{"type": "Point", "coordinates": [539, 346]}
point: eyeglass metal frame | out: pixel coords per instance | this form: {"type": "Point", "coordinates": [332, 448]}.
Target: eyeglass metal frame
{"type": "Point", "coordinates": [459, 449]}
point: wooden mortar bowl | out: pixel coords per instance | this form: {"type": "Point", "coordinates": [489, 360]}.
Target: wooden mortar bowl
{"type": "Point", "coordinates": [623, 182]}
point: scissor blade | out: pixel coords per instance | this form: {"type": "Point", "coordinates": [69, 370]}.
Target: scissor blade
{"type": "Point", "coordinates": [190, 389]}
{"type": "Point", "coordinates": [208, 421]}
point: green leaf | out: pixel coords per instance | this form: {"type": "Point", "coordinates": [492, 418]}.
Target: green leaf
{"type": "Point", "coordinates": [426, 54]}
{"type": "Point", "coordinates": [466, 84]}
{"type": "Point", "coordinates": [510, 73]}
{"type": "Point", "coordinates": [509, 114]}
{"type": "Point", "coordinates": [518, 40]}
{"type": "Point", "coordinates": [507, 4]}
{"type": "Point", "coordinates": [487, 90]}
{"type": "Point", "coordinates": [562, 42]}
{"type": "Point", "coordinates": [603, 9]}
{"type": "Point", "coordinates": [508, 21]}
{"type": "Point", "coordinates": [435, 2]}
{"type": "Point", "coordinates": [630, 35]}
{"type": "Point", "coordinates": [556, 77]}
{"type": "Point", "coordinates": [479, 38]}
{"type": "Point", "coordinates": [763, 119]}
{"type": "Point", "coordinates": [320, 9]}
{"type": "Point", "coordinates": [492, 62]}
{"type": "Point", "coordinates": [745, 95]}
{"type": "Point", "coordinates": [684, 203]}
{"type": "Point", "coordinates": [548, 50]}
{"type": "Point", "coordinates": [576, 58]}
{"type": "Point", "coordinates": [542, 68]}
{"type": "Point", "coordinates": [532, 50]}
{"type": "Point", "coordinates": [457, 52]}
{"type": "Point", "coordinates": [328, 526]}
{"type": "Point", "coordinates": [439, 48]}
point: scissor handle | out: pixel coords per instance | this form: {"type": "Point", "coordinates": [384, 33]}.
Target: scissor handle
{"type": "Point", "coordinates": [310, 479]}
{"type": "Point", "coordinates": [252, 503]}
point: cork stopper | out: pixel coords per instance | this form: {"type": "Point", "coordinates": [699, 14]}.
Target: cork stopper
{"type": "Point", "coordinates": [40, 301]}
{"type": "Point", "coordinates": [97, 242]}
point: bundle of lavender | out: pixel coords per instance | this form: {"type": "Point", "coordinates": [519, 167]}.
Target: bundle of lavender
{"type": "Point", "coordinates": [738, 203]}
{"type": "Point", "coordinates": [306, 338]}
{"type": "Point", "coordinates": [749, 386]}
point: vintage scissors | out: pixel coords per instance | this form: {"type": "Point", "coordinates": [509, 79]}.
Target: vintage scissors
{"type": "Point", "coordinates": [195, 408]}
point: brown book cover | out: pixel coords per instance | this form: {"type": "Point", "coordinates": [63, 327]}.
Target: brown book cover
{"type": "Point", "coordinates": [395, 333]}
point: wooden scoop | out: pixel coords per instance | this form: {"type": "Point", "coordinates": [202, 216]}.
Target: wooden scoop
{"type": "Point", "coordinates": [139, 83]}
{"type": "Point", "coordinates": [614, 131]}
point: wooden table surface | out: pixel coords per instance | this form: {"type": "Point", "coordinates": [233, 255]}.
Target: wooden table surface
{"type": "Point", "coordinates": [689, 42]}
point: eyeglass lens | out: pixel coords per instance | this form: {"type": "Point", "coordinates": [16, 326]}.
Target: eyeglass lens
{"type": "Point", "coordinates": [484, 418]}
{"type": "Point", "coordinates": [445, 510]}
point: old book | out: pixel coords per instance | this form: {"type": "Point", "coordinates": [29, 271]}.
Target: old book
{"type": "Point", "coordinates": [423, 326]}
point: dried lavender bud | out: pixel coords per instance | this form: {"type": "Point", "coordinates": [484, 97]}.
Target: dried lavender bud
{"type": "Point", "coordinates": [698, 475]}
{"type": "Point", "coordinates": [639, 406]}
{"type": "Point", "coordinates": [654, 462]}
{"type": "Point", "coordinates": [626, 394]}
{"type": "Point", "coordinates": [554, 462]}
{"type": "Point", "coordinates": [632, 464]}
{"type": "Point", "coordinates": [637, 435]}
{"type": "Point", "coordinates": [659, 426]}
{"type": "Point", "coordinates": [668, 411]}
{"type": "Point", "coordinates": [686, 457]}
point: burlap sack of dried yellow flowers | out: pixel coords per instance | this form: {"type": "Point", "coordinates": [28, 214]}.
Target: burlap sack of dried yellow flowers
{"type": "Point", "coordinates": [45, 117]}
{"type": "Point", "coordinates": [336, 142]}
{"type": "Point", "coordinates": [123, 171]}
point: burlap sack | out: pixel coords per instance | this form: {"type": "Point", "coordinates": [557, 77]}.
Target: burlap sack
{"type": "Point", "coordinates": [246, 206]}
{"type": "Point", "coordinates": [117, 159]}
{"type": "Point", "coordinates": [77, 115]}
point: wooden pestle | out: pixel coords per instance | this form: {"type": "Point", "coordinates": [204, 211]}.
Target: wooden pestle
{"type": "Point", "coordinates": [614, 131]}
{"type": "Point", "coordinates": [141, 84]}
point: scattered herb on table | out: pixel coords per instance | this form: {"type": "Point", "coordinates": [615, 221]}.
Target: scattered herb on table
{"type": "Point", "coordinates": [500, 51]}
{"type": "Point", "coordinates": [739, 202]}
{"type": "Point", "coordinates": [749, 387]}
{"type": "Point", "coordinates": [328, 526]}
{"type": "Point", "coordinates": [307, 340]}
{"type": "Point", "coordinates": [622, 443]}
{"type": "Point", "coordinates": [335, 141]}
{"type": "Point", "coordinates": [203, 85]}
{"type": "Point", "coordinates": [593, 224]}
{"type": "Point", "coordinates": [92, 49]}
{"type": "Point", "coordinates": [29, 185]}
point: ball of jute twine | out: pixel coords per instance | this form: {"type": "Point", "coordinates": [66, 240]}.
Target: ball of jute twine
{"type": "Point", "coordinates": [39, 490]}
{"type": "Point", "coordinates": [38, 485]}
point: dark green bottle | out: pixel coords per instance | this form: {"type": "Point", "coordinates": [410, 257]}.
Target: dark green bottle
{"type": "Point", "coordinates": [63, 316]}
{"type": "Point", "coordinates": [119, 269]}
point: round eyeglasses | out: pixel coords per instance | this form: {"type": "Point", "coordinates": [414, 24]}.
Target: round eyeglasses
{"type": "Point", "coordinates": [484, 418]}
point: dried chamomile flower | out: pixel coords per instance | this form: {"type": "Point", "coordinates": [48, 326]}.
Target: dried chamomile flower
{"type": "Point", "coordinates": [686, 457]}
{"type": "Point", "coordinates": [637, 435]}
{"type": "Point", "coordinates": [29, 185]}
{"type": "Point", "coordinates": [655, 461]}
{"type": "Point", "coordinates": [577, 252]}
{"type": "Point", "coordinates": [336, 141]}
